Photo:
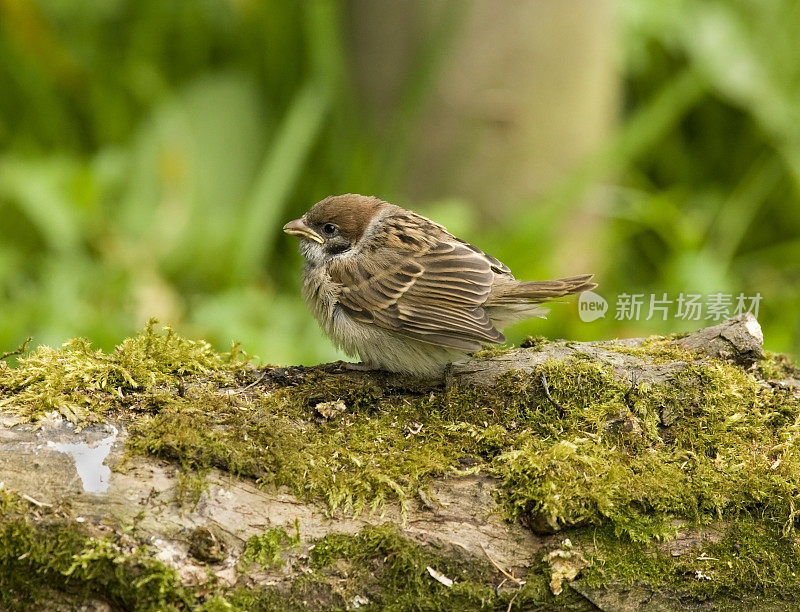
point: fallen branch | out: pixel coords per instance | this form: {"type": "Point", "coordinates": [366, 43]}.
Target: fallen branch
{"type": "Point", "coordinates": [157, 499]}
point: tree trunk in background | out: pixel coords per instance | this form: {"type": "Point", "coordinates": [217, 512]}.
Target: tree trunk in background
{"type": "Point", "coordinates": [520, 92]}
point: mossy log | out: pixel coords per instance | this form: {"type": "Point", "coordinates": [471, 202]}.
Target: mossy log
{"type": "Point", "coordinates": [658, 473]}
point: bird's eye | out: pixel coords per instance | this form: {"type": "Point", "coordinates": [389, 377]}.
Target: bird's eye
{"type": "Point", "coordinates": [329, 229]}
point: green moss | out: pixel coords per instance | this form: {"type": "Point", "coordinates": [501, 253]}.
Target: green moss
{"type": "Point", "coordinates": [747, 560]}
{"type": "Point", "coordinates": [775, 366]}
{"type": "Point", "coordinates": [658, 349]}
{"type": "Point", "coordinates": [530, 342]}
{"type": "Point", "coordinates": [570, 444]}
{"type": "Point", "coordinates": [716, 460]}
{"type": "Point", "coordinates": [20, 350]}
{"type": "Point", "coordinates": [192, 483]}
{"type": "Point", "coordinates": [266, 599]}
{"type": "Point", "coordinates": [380, 569]}
{"type": "Point", "coordinates": [81, 383]}
{"type": "Point", "coordinates": [392, 573]}
{"type": "Point", "coordinates": [265, 548]}
{"type": "Point", "coordinates": [54, 558]}
{"type": "Point", "coordinates": [493, 351]}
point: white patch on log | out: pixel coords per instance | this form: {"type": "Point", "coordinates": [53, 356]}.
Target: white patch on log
{"type": "Point", "coordinates": [753, 328]}
{"type": "Point", "coordinates": [89, 460]}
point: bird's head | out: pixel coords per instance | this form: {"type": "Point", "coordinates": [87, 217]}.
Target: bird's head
{"type": "Point", "coordinates": [334, 225]}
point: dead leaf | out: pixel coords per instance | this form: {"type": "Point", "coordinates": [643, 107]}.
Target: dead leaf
{"type": "Point", "coordinates": [564, 565]}
{"type": "Point", "coordinates": [328, 410]}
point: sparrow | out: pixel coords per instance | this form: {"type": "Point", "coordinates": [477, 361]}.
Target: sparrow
{"type": "Point", "coordinates": [402, 293]}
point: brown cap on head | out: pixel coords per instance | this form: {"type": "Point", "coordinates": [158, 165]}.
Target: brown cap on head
{"type": "Point", "coordinates": [350, 211]}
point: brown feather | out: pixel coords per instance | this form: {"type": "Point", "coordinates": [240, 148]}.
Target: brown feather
{"type": "Point", "coordinates": [540, 291]}
{"type": "Point", "coordinates": [426, 287]}
{"type": "Point", "coordinates": [351, 212]}
{"type": "Point", "coordinates": [408, 275]}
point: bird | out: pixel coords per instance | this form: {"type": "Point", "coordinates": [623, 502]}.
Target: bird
{"type": "Point", "coordinates": [402, 293]}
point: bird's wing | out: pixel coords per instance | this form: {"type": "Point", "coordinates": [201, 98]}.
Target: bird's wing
{"type": "Point", "coordinates": [433, 293]}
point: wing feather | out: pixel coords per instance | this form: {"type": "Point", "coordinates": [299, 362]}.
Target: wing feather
{"type": "Point", "coordinates": [434, 294]}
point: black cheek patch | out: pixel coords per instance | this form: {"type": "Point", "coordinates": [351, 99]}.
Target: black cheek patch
{"type": "Point", "coordinates": [334, 248]}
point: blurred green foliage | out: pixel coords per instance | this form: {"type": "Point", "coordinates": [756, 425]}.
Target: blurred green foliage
{"type": "Point", "coordinates": [151, 151]}
{"type": "Point", "coordinates": [712, 203]}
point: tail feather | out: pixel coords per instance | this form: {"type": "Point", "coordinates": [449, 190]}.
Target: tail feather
{"type": "Point", "coordinates": [541, 291]}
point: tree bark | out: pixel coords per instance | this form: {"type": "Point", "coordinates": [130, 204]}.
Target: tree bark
{"type": "Point", "coordinates": [87, 475]}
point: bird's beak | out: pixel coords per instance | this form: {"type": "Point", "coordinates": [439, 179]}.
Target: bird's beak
{"type": "Point", "coordinates": [298, 227]}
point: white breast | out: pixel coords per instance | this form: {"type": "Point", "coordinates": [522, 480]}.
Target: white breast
{"type": "Point", "coordinates": [377, 347]}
